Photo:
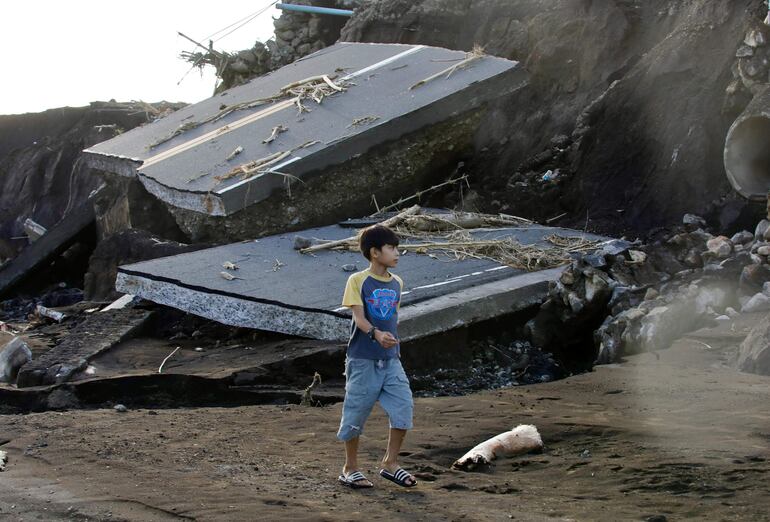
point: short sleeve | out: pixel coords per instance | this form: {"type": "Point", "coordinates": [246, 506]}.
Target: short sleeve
{"type": "Point", "coordinates": [401, 284]}
{"type": "Point", "coordinates": [352, 296]}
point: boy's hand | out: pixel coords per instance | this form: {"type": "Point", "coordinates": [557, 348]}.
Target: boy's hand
{"type": "Point", "coordinates": [386, 339]}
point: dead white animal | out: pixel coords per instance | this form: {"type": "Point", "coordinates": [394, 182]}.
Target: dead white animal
{"type": "Point", "coordinates": [3, 460]}
{"type": "Point", "coordinates": [523, 439]}
{"type": "Point", "coordinates": [228, 276]}
{"type": "Point", "coordinates": [229, 266]}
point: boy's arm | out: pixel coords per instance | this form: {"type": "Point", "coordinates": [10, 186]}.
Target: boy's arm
{"type": "Point", "coordinates": [386, 339]}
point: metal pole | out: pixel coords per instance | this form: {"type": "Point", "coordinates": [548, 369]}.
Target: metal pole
{"type": "Point", "coordinates": [314, 10]}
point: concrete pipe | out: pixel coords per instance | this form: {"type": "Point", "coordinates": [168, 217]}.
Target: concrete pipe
{"type": "Point", "coordinates": [747, 149]}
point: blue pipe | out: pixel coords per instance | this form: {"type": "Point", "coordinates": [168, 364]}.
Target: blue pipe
{"type": "Point", "coordinates": [314, 10]}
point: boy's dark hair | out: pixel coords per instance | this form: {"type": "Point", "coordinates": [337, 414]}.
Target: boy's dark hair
{"type": "Point", "coordinates": [376, 236]}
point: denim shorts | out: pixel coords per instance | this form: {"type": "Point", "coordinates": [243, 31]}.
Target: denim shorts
{"type": "Point", "coordinates": [367, 381]}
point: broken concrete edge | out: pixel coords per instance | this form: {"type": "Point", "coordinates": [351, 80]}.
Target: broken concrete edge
{"type": "Point", "coordinates": [236, 310]}
{"type": "Point", "coordinates": [227, 201]}
{"type": "Point", "coordinates": [422, 319]}
{"type": "Point", "coordinates": [38, 370]}
{"type": "Point", "coordinates": [204, 202]}
{"type": "Point", "coordinates": [475, 304]}
{"type": "Point", "coordinates": [120, 165]}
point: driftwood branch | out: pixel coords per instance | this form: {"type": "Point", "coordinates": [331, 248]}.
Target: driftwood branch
{"type": "Point", "coordinates": [519, 441]}
{"type": "Point", "coordinates": [391, 222]}
{"type": "Point", "coordinates": [307, 395]}
{"type": "Point", "coordinates": [421, 192]}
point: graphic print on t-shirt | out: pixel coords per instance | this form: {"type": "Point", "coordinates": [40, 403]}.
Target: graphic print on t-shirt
{"type": "Point", "coordinates": [382, 303]}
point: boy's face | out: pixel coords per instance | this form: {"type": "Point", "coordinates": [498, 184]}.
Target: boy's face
{"type": "Point", "coordinates": [387, 255]}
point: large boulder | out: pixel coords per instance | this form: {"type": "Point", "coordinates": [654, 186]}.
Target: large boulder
{"type": "Point", "coordinates": [13, 356]}
{"type": "Point", "coordinates": [754, 353]}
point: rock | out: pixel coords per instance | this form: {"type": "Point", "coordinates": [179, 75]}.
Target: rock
{"type": "Point", "coordinates": [693, 259]}
{"type": "Point", "coordinates": [561, 141]}
{"type": "Point", "coordinates": [744, 51]}
{"type": "Point", "coordinates": [755, 38]}
{"type": "Point", "coordinates": [766, 289]}
{"type": "Point", "coordinates": [722, 318]}
{"type": "Point", "coordinates": [637, 256]}
{"type": "Point", "coordinates": [575, 303]}
{"type": "Point", "coordinates": [743, 237]}
{"type": "Point", "coordinates": [597, 287]}
{"type": "Point", "coordinates": [302, 242]}
{"type": "Point", "coordinates": [349, 268]}
{"type": "Point", "coordinates": [720, 246]}
{"type": "Point", "coordinates": [754, 353]}
{"type": "Point", "coordinates": [615, 247]}
{"type": "Point", "coordinates": [764, 250]}
{"type": "Point", "coordinates": [567, 277]}
{"type": "Point", "coordinates": [595, 260]}
{"type": "Point", "coordinates": [13, 356]}
{"type": "Point", "coordinates": [731, 312]}
{"type": "Point", "coordinates": [693, 222]}
{"type": "Point", "coordinates": [651, 294]}
{"type": "Point", "coordinates": [120, 408]}
{"type": "Point", "coordinates": [755, 276]}
{"type": "Point", "coordinates": [762, 228]}
{"type": "Point", "coordinates": [758, 303]}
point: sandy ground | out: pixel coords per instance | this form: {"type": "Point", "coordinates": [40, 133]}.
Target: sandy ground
{"type": "Point", "coordinates": [678, 433]}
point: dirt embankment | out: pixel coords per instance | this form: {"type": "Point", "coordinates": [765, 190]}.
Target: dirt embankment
{"type": "Point", "coordinates": [41, 176]}
{"type": "Point", "coordinates": [627, 100]}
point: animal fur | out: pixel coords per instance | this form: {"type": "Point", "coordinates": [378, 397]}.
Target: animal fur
{"type": "Point", "coordinates": [519, 441]}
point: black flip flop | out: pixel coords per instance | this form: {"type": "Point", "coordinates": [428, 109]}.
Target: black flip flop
{"type": "Point", "coordinates": [352, 480]}
{"type": "Point", "coordinates": [400, 477]}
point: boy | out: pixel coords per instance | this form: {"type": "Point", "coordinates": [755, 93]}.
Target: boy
{"type": "Point", "coordinates": [373, 368]}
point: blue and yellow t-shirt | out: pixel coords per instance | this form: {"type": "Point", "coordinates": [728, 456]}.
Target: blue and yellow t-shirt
{"type": "Point", "coordinates": [380, 298]}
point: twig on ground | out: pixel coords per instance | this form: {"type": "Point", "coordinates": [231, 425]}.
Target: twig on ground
{"type": "Point", "coordinates": [160, 368]}
{"type": "Point", "coordinates": [470, 57]}
{"type": "Point", "coordinates": [307, 395]}
{"type": "Point", "coordinates": [278, 129]}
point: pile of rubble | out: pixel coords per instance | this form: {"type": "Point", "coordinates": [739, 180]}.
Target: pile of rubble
{"type": "Point", "coordinates": [494, 365]}
{"type": "Point", "coordinates": [641, 297]}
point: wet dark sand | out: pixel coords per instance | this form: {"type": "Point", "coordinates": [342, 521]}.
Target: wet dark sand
{"type": "Point", "coordinates": [678, 433]}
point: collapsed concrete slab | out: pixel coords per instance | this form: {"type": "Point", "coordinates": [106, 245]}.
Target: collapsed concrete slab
{"type": "Point", "coordinates": [276, 288]}
{"type": "Point", "coordinates": [98, 333]}
{"type": "Point", "coordinates": [237, 150]}
{"type": "Point", "coordinates": [46, 247]}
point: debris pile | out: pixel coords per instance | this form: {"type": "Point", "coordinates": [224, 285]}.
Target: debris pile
{"type": "Point", "coordinates": [641, 298]}
{"type": "Point", "coordinates": [494, 365]}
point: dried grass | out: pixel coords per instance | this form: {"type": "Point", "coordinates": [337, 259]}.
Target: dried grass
{"type": "Point", "coordinates": [450, 237]}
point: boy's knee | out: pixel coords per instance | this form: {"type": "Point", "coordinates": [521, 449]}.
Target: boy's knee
{"type": "Point", "coordinates": [349, 431]}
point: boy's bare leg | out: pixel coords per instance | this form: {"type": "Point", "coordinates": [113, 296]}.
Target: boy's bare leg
{"type": "Point", "coordinates": [395, 439]}
{"type": "Point", "coordinates": [351, 459]}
